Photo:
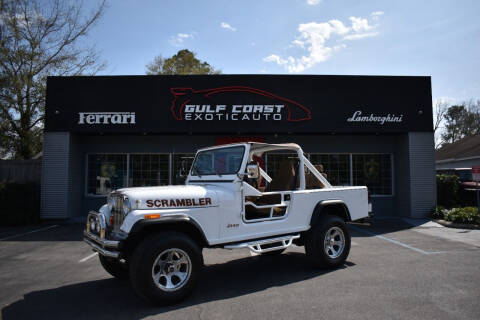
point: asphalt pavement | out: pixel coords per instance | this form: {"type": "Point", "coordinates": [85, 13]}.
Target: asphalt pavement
{"type": "Point", "coordinates": [394, 271]}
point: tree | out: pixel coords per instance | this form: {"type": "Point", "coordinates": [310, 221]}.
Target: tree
{"type": "Point", "coordinates": [461, 121]}
{"type": "Point", "coordinates": [184, 62]}
{"type": "Point", "coordinates": [441, 107]}
{"type": "Point", "coordinates": [471, 121]}
{"type": "Point", "coordinates": [38, 38]}
{"type": "Point", "coordinates": [454, 121]}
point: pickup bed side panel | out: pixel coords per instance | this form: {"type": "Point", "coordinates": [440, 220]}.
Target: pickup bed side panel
{"type": "Point", "coordinates": [355, 198]}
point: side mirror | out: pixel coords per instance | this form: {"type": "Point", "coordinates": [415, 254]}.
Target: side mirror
{"type": "Point", "coordinates": [253, 171]}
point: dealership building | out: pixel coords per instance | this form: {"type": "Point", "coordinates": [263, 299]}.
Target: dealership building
{"type": "Point", "coordinates": [108, 132]}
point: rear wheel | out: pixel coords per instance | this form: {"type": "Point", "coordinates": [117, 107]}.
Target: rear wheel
{"type": "Point", "coordinates": [113, 266]}
{"type": "Point", "coordinates": [327, 244]}
{"type": "Point", "coordinates": [164, 268]}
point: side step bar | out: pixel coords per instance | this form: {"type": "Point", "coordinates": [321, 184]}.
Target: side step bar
{"type": "Point", "coordinates": [261, 246]}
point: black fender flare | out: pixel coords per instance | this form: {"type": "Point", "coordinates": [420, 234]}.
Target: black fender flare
{"type": "Point", "coordinates": [169, 221]}
{"type": "Point", "coordinates": [340, 209]}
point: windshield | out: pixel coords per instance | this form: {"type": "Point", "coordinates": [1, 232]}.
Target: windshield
{"type": "Point", "coordinates": [218, 161]}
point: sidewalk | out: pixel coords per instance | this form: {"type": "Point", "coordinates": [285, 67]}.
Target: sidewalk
{"type": "Point", "coordinates": [434, 229]}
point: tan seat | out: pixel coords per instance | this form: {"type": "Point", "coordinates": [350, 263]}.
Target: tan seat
{"type": "Point", "coordinates": [284, 179]}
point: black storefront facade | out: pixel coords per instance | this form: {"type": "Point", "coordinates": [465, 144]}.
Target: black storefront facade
{"type": "Point", "coordinates": [108, 132]}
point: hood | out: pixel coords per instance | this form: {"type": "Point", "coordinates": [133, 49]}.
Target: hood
{"type": "Point", "coordinates": [171, 197]}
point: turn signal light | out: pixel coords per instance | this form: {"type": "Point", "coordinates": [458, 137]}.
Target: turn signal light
{"type": "Point", "coordinates": [152, 216]}
{"type": "Point", "coordinates": [111, 220]}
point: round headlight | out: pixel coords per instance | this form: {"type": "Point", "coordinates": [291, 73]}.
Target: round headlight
{"type": "Point", "coordinates": [126, 206]}
{"type": "Point", "coordinates": [110, 202]}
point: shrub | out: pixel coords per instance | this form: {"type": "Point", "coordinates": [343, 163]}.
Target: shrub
{"type": "Point", "coordinates": [19, 203]}
{"type": "Point", "coordinates": [447, 190]}
{"type": "Point", "coordinates": [438, 212]}
{"type": "Point", "coordinates": [462, 215]}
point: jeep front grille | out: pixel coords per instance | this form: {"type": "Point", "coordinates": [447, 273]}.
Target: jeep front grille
{"type": "Point", "coordinates": [117, 212]}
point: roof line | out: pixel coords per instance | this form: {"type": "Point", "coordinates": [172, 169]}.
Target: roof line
{"type": "Point", "coordinates": [456, 159]}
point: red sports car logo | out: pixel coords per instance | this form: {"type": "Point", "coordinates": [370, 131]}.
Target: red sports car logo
{"type": "Point", "coordinates": [183, 96]}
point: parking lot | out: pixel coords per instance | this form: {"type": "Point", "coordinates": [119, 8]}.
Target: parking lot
{"type": "Point", "coordinates": [394, 271]}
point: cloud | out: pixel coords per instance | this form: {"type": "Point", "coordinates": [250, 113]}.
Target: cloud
{"type": "Point", "coordinates": [318, 40]}
{"type": "Point", "coordinates": [179, 39]}
{"type": "Point", "coordinates": [360, 25]}
{"type": "Point", "coordinates": [375, 15]}
{"type": "Point", "coordinates": [360, 36]}
{"type": "Point", "coordinates": [227, 26]}
{"type": "Point", "coordinates": [313, 2]}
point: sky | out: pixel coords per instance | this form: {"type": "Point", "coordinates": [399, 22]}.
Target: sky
{"type": "Point", "coordinates": [437, 38]}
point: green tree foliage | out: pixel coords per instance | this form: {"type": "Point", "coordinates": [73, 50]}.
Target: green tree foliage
{"type": "Point", "coordinates": [461, 121]}
{"type": "Point", "coordinates": [447, 190]}
{"type": "Point", "coordinates": [184, 63]}
{"type": "Point", "coordinates": [38, 38]}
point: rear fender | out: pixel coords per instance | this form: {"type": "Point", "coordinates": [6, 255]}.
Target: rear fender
{"type": "Point", "coordinates": [332, 207]}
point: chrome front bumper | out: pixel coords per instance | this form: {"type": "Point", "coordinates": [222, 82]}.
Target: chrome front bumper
{"type": "Point", "coordinates": [105, 247]}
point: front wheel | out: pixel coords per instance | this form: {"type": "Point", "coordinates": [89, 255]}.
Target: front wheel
{"type": "Point", "coordinates": [164, 268]}
{"type": "Point", "coordinates": [327, 244]}
{"type": "Point", "coordinates": [116, 268]}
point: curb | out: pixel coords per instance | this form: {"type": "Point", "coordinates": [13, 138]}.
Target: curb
{"type": "Point", "coordinates": [457, 225]}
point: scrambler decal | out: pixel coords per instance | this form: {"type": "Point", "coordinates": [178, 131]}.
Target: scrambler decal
{"type": "Point", "coordinates": [250, 105]}
{"type": "Point", "coordinates": [168, 203]}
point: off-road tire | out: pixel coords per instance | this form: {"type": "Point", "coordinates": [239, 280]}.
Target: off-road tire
{"type": "Point", "coordinates": [146, 254]}
{"type": "Point", "coordinates": [315, 242]}
{"type": "Point", "coordinates": [116, 268]}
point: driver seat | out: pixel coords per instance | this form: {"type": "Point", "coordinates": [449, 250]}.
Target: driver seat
{"type": "Point", "coordinates": [284, 178]}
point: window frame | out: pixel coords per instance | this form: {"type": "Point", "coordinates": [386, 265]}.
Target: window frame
{"type": "Point", "coordinates": [169, 154]}
{"type": "Point", "coordinates": [350, 156]}
{"type": "Point", "coordinates": [392, 187]}
{"type": "Point", "coordinates": [171, 165]}
{"type": "Point", "coordinates": [89, 195]}
{"type": "Point", "coordinates": [350, 167]}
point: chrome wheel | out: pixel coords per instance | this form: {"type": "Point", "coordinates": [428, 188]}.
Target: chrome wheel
{"type": "Point", "coordinates": [334, 242]}
{"type": "Point", "coordinates": [171, 269]}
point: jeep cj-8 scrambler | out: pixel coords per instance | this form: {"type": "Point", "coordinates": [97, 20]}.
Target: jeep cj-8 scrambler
{"type": "Point", "coordinates": [155, 235]}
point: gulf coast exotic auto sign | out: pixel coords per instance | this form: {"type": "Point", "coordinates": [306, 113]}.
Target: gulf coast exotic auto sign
{"type": "Point", "coordinates": [238, 104]}
{"type": "Point", "coordinates": [215, 104]}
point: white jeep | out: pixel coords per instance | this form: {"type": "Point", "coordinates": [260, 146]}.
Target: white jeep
{"type": "Point", "coordinates": [155, 235]}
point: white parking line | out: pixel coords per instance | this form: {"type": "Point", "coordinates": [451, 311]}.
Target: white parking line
{"type": "Point", "coordinates": [33, 231]}
{"type": "Point", "coordinates": [88, 257]}
{"type": "Point", "coordinates": [395, 242]}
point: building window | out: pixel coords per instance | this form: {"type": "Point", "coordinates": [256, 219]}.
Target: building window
{"type": "Point", "coordinates": [149, 170]}
{"type": "Point", "coordinates": [106, 172]}
{"type": "Point", "coordinates": [373, 171]}
{"type": "Point", "coordinates": [335, 166]}
{"type": "Point", "coordinates": [182, 162]}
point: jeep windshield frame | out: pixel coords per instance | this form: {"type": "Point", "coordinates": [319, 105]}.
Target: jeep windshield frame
{"type": "Point", "coordinates": [218, 161]}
